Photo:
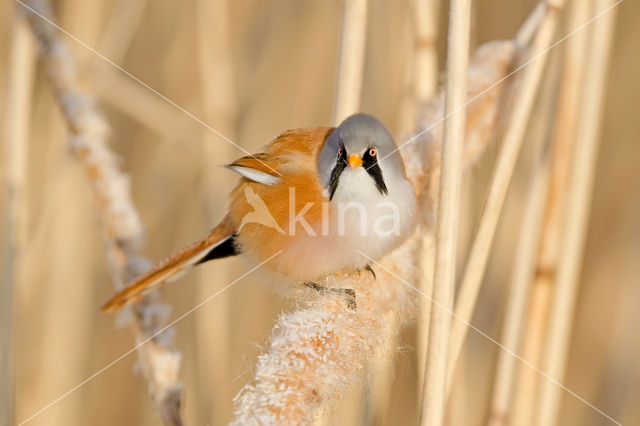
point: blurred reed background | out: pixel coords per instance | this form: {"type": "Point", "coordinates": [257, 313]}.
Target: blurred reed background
{"type": "Point", "coordinates": [251, 69]}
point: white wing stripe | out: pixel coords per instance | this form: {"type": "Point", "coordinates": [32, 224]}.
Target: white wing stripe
{"type": "Point", "coordinates": [255, 175]}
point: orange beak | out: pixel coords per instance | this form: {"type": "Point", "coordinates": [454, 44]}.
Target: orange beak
{"type": "Point", "coordinates": [355, 160]}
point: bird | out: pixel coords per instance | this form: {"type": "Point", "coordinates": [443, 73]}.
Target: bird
{"type": "Point", "coordinates": [311, 203]}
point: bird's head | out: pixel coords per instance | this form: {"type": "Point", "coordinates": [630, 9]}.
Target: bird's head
{"type": "Point", "coordinates": [360, 143]}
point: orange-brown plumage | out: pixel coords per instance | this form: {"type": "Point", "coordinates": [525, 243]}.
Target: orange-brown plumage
{"type": "Point", "coordinates": [290, 208]}
{"type": "Point", "coordinates": [168, 268]}
{"type": "Point", "coordinates": [292, 155]}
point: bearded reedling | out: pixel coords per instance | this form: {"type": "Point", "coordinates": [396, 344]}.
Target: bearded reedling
{"type": "Point", "coordinates": [308, 204]}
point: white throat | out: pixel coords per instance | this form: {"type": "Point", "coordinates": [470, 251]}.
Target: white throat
{"type": "Point", "coordinates": [362, 223]}
{"type": "Point", "coordinates": [367, 220]}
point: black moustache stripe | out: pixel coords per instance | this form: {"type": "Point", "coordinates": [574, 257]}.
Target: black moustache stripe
{"type": "Point", "coordinates": [370, 164]}
{"type": "Point", "coordinates": [341, 163]}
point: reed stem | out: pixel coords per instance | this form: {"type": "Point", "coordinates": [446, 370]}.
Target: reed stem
{"type": "Point", "coordinates": [433, 396]}
{"type": "Point", "coordinates": [12, 239]}
{"type": "Point", "coordinates": [562, 144]}
{"type": "Point", "coordinates": [525, 261]}
{"type": "Point", "coordinates": [219, 107]}
{"type": "Point", "coordinates": [351, 60]}
{"type": "Point", "coordinates": [425, 85]}
{"type": "Point", "coordinates": [556, 349]}
{"type": "Point", "coordinates": [514, 133]}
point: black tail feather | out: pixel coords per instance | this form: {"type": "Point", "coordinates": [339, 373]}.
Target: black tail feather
{"type": "Point", "coordinates": [225, 249]}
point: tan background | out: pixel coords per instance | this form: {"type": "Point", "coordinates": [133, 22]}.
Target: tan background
{"type": "Point", "coordinates": [276, 71]}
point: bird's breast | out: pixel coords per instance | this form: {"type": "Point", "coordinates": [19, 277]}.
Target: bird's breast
{"type": "Point", "coordinates": [310, 236]}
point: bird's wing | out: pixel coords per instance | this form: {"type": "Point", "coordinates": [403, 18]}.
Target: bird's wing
{"type": "Point", "coordinates": [257, 168]}
{"type": "Point", "coordinates": [288, 161]}
{"type": "Point", "coordinates": [283, 153]}
{"type": "Point", "coordinates": [217, 243]}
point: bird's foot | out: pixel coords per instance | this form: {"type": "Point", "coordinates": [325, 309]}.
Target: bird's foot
{"type": "Point", "coordinates": [347, 292]}
{"type": "Point", "coordinates": [370, 269]}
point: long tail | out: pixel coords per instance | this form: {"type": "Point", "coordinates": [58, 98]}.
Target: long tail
{"type": "Point", "coordinates": [218, 243]}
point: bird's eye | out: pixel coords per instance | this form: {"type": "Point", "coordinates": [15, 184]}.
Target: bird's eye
{"type": "Point", "coordinates": [340, 152]}
{"type": "Point", "coordinates": [373, 152]}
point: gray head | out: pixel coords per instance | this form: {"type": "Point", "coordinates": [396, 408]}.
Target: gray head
{"type": "Point", "coordinates": [361, 140]}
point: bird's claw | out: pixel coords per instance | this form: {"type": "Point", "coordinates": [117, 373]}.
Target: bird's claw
{"type": "Point", "coordinates": [349, 293]}
{"type": "Point", "coordinates": [370, 269]}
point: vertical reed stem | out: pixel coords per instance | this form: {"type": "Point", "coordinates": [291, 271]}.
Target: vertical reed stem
{"type": "Point", "coordinates": [433, 396]}
{"type": "Point", "coordinates": [476, 265]}
{"type": "Point", "coordinates": [575, 221]}
{"type": "Point", "coordinates": [351, 61]}
{"type": "Point", "coordinates": [525, 261]}
{"type": "Point", "coordinates": [561, 152]}
{"type": "Point", "coordinates": [219, 105]}
{"type": "Point", "coordinates": [425, 78]}
{"type": "Point", "coordinates": [425, 85]}
{"type": "Point", "coordinates": [16, 144]}
{"type": "Point", "coordinates": [121, 28]}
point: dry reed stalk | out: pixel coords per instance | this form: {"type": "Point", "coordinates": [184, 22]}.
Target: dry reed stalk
{"type": "Point", "coordinates": [522, 275]}
{"type": "Point", "coordinates": [317, 351]}
{"type": "Point", "coordinates": [84, 18]}
{"type": "Point", "coordinates": [556, 349]}
{"type": "Point", "coordinates": [214, 52]}
{"type": "Point", "coordinates": [539, 135]}
{"type": "Point", "coordinates": [452, 163]}
{"type": "Point", "coordinates": [119, 91]}
{"type": "Point", "coordinates": [424, 87]}
{"type": "Point", "coordinates": [490, 63]}
{"type": "Point", "coordinates": [351, 61]}
{"type": "Point", "coordinates": [426, 265]}
{"type": "Point", "coordinates": [522, 105]}
{"type": "Point", "coordinates": [123, 232]}
{"type": "Point", "coordinates": [13, 236]}
{"type": "Point", "coordinates": [483, 112]}
{"type": "Point", "coordinates": [121, 26]}
{"type": "Point", "coordinates": [425, 68]}
{"type": "Point", "coordinates": [562, 147]}
{"type": "Point", "coordinates": [323, 347]}
{"type": "Point", "coordinates": [623, 368]}
{"type": "Point", "coordinates": [422, 61]}
{"type": "Point", "coordinates": [136, 102]}
{"type": "Point", "coordinates": [532, 25]}
{"type": "Point", "coordinates": [214, 326]}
